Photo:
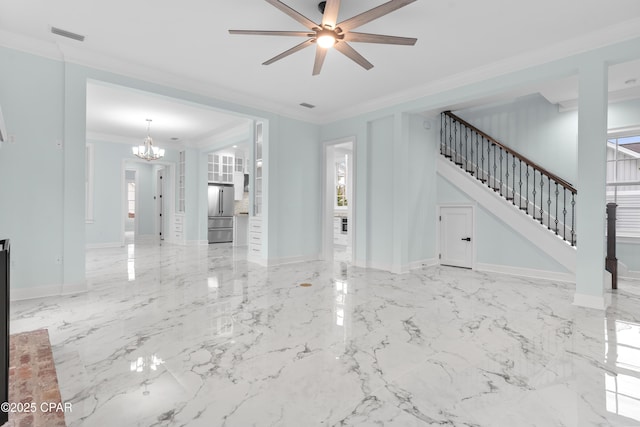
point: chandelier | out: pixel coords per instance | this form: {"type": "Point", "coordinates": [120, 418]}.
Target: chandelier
{"type": "Point", "coordinates": [148, 151]}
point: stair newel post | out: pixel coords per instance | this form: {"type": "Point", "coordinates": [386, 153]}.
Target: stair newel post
{"type": "Point", "coordinates": [612, 261]}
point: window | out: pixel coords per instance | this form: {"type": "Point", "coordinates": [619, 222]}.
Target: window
{"type": "Point", "coordinates": [341, 182]}
{"type": "Point", "coordinates": [131, 199]}
{"type": "Point", "coordinates": [623, 183]}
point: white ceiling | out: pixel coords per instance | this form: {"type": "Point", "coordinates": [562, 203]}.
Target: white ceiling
{"type": "Point", "coordinates": [119, 114]}
{"type": "Point", "coordinates": [188, 46]}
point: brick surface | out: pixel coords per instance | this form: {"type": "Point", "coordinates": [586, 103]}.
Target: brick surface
{"type": "Point", "coordinates": [33, 379]}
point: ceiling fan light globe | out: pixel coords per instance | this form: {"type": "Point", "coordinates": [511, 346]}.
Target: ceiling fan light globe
{"type": "Point", "coordinates": [326, 41]}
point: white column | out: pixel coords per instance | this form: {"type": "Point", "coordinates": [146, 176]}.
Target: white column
{"type": "Point", "coordinates": [590, 211]}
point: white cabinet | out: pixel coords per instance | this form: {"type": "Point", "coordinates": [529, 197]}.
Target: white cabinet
{"type": "Point", "coordinates": [177, 228]}
{"type": "Point", "coordinates": [238, 185]}
{"type": "Point", "coordinates": [254, 239]}
{"type": "Point", "coordinates": [220, 168]}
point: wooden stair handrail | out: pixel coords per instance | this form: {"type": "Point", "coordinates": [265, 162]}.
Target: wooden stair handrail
{"type": "Point", "coordinates": [535, 166]}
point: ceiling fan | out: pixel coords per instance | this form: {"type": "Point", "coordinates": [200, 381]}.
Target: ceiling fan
{"type": "Point", "coordinates": [330, 33]}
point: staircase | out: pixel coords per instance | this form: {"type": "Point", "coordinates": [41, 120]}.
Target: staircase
{"type": "Point", "coordinates": [545, 197]}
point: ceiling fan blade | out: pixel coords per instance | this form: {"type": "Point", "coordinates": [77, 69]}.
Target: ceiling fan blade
{"type": "Point", "coordinates": [321, 53]}
{"type": "Point", "coordinates": [378, 38]}
{"type": "Point", "coordinates": [293, 13]}
{"type": "Point", "coordinates": [294, 49]}
{"type": "Point", "coordinates": [351, 53]}
{"type": "Point", "coordinates": [274, 33]}
{"type": "Point", "coordinates": [372, 14]}
{"type": "Point", "coordinates": [330, 15]}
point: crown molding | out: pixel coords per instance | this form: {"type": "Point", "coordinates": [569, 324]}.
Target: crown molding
{"type": "Point", "coordinates": [604, 37]}
{"type": "Point", "coordinates": [82, 56]}
{"type": "Point", "coordinates": [120, 139]}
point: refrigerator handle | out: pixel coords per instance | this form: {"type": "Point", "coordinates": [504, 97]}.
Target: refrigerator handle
{"type": "Point", "coordinates": [220, 194]}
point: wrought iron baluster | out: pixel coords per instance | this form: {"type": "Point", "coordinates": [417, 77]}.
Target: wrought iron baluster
{"type": "Point", "coordinates": [506, 177]}
{"type": "Point", "coordinates": [556, 220]}
{"type": "Point", "coordinates": [441, 130]}
{"type": "Point", "coordinates": [573, 218]}
{"type": "Point", "coordinates": [477, 159]}
{"type": "Point", "coordinates": [564, 213]}
{"type": "Point", "coordinates": [459, 136]}
{"type": "Point", "coordinates": [549, 205]}
{"type": "Point", "coordinates": [488, 163]}
{"type": "Point", "coordinates": [541, 198]}
{"type": "Point", "coordinates": [520, 186]}
{"type": "Point", "coordinates": [501, 181]}
{"type": "Point", "coordinates": [513, 186]}
{"type": "Point", "coordinates": [534, 192]}
{"type": "Point", "coordinates": [466, 149]}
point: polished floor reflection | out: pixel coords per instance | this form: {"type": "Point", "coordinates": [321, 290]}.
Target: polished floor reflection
{"type": "Point", "coordinates": [186, 336]}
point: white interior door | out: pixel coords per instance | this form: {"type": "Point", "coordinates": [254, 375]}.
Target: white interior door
{"type": "Point", "coordinates": [456, 236]}
{"type": "Point", "coordinates": [160, 202]}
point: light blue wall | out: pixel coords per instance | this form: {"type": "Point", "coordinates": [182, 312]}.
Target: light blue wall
{"type": "Point", "coordinates": [109, 159]}
{"type": "Point", "coordinates": [44, 101]}
{"type": "Point", "coordinates": [32, 168]}
{"type": "Point", "coordinates": [380, 178]}
{"type": "Point", "coordinates": [624, 114]}
{"type": "Point", "coordinates": [423, 145]}
{"type": "Point", "coordinates": [535, 128]}
{"type": "Point", "coordinates": [295, 189]}
{"type": "Point", "coordinates": [496, 242]}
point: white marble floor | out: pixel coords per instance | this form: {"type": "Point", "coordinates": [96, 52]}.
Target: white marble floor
{"type": "Point", "coordinates": [185, 336]}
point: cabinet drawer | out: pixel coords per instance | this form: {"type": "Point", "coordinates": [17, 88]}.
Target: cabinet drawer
{"type": "Point", "coordinates": [255, 249]}
{"type": "Point", "coordinates": [177, 227]}
{"type": "Point", "coordinates": [179, 219]}
{"type": "Point", "coordinates": [255, 238]}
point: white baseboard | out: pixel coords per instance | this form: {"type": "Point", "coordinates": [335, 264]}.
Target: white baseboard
{"type": "Point", "coordinates": [592, 301]}
{"type": "Point", "coordinates": [526, 272]}
{"type": "Point", "coordinates": [286, 260]}
{"type": "Point", "coordinates": [18, 294]}
{"type": "Point", "coordinates": [103, 245]}
{"type": "Point", "coordinates": [427, 262]}
{"type": "Point", "coordinates": [631, 275]}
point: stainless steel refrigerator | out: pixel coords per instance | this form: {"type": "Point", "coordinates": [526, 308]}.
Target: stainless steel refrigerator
{"type": "Point", "coordinates": [221, 206]}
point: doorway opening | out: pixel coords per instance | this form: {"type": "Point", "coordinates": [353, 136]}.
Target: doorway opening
{"type": "Point", "coordinates": [339, 201]}
{"type": "Point", "coordinates": [130, 220]}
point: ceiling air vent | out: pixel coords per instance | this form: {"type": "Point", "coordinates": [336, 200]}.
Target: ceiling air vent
{"type": "Point", "coordinates": [306, 105]}
{"type": "Point", "coordinates": [67, 34]}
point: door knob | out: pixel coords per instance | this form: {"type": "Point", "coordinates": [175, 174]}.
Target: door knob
{"type": "Point", "coordinates": [468, 239]}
